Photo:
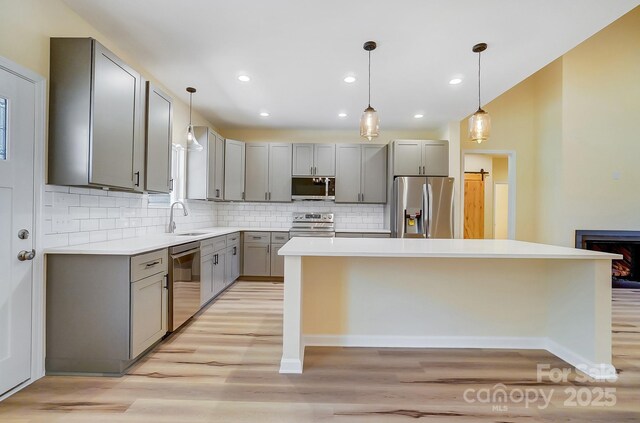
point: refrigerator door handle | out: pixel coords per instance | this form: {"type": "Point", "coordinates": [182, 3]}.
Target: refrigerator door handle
{"type": "Point", "coordinates": [429, 196]}
{"type": "Point", "coordinates": [425, 211]}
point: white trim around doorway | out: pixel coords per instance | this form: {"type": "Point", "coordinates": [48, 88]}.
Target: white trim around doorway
{"type": "Point", "coordinates": [511, 157]}
{"type": "Point", "coordinates": [38, 286]}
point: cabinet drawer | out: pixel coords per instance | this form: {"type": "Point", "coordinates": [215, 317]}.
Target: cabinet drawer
{"type": "Point", "coordinates": [233, 239]}
{"type": "Point", "coordinates": [279, 237]}
{"type": "Point", "coordinates": [257, 237]}
{"type": "Point", "coordinates": [145, 265]}
{"type": "Point", "coordinates": [219, 243]}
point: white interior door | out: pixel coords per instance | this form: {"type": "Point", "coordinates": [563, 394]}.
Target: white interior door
{"type": "Point", "coordinates": [17, 140]}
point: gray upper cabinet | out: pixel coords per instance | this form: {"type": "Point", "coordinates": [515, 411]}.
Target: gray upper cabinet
{"type": "Point", "coordinates": [435, 158]}
{"type": "Point", "coordinates": [361, 173]}
{"type": "Point", "coordinates": [420, 158]}
{"type": "Point", "coordinates": [302, 159]}
{"type": "Point", "coordinates": [234, 164]}
{"type": "Point", "coordinates": [95, 114]}
{"type": "Point", "coordinates": [159, 113]}
{"type": "Point", "coordinates": [348, 157]}
{"type": "Point", "coordinates": [407, 158]}
{"type": "Point", "coordinates": [373, 170]}
{"type": "Point", "coordinates": [279, 172]}
{"type": "Point", "coordinates": [205, 178]}
{"type": "Point", "coordinates": [314, 160]}
{"type": "Point", "coordinates": [257, 172]}
{"type": "Point", "coordinates": [268, 172]}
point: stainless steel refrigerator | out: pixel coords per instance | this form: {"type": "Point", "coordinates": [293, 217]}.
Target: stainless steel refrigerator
{"type": "Point", "coordinates": [422, 207]}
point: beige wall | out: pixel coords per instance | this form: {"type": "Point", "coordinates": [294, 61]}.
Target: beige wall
{"type": "Point", "coordinates": [27, 25]}
{"type": "Point", "coordinates": [573, 126]}
{"type": "Point", "coordinates": [326, 136]}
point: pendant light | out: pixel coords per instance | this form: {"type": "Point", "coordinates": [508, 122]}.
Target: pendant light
{"type": "Point", "coordinates": [192, 142]}
{"type": "Point", "coordinates": [369, 122]}
{"type": "Point", "coordinates": [480, 121]}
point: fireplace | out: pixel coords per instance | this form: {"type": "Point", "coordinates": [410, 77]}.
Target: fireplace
{"type": "Point", "coordinates": [625, 273]}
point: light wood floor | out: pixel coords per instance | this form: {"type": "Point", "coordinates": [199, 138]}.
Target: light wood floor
{"type": "Point", "coordinates": [223, 367]}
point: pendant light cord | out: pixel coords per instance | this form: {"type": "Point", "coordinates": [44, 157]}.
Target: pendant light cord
{"type": "Point", "coordinates": [479, 103]}
{"type": "Point", "coordinates": [369, 78]}
{"type": "Point", "coordinates": [190, 100]}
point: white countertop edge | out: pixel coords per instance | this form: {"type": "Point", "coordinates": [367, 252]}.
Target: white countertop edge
{"type": "Point", "coordinates": [434, 248]}
{"type": "Point", "coordinates": [157, 241]}
{"type": "Point", "coordinates": [364, 231]}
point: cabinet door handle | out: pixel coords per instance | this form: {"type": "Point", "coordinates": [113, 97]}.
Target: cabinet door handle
{"type": "Point", "coordinates": [362, 197]}
{"type": "Point", "coordinates": [235, 251]}
{"type": "Point", "coordinates": [215, 259]}
{"type": "Point", "coordinates": [165, 285]}
{"type": "Point", "coordinates": [137, 175]}
{"type": "Point", "coordinates": [171, 185]}
{"type": "Point", "coordinates": [243, 195]}
{"type": "Point", "coordinates": [217, 192]}
{"type": "Point", "coordinates": [268, 248]}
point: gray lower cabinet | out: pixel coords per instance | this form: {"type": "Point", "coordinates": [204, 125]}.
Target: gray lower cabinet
{"type": "Point", "coordinates": [234, 166]}
{"type": "Point", "coordinates": [214, 264]}
{"type": "Point", "coordinates": [420, 158]}
{"type": "Point", "coordinates": [95, 117]}
{"type": "Point", "coordinates": [277, 262]}
{"type": "Point", "coordinates": [232, 262]}
{"type": "Point", "coordinates": [256, 254]}
{"type": "Point", "coordinates": [361, 173]}
{"type": "Point", "coordinates": [103, 312]}
{"type": "Point", "coordinates": [205, 168]}
{"type": "Point", "coordinates": [158, 124]}
{"type": "Point", "coordinates": [261, 253]}
{"type": "Point", "coordinates": [268, 172]}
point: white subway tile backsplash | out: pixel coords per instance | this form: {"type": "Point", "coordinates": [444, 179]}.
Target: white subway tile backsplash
{"type": "Point", "coordinates": [81, 215]}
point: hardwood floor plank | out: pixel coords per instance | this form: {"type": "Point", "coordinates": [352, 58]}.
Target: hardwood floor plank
{"type": "Point", "coordinates": [223, 367]}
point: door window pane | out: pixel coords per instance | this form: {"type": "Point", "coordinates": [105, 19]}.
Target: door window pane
{"type": "Point", "coordinates": [3, 129]}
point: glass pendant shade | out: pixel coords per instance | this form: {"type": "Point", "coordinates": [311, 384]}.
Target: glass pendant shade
{"type": "Point", "coordinates": [192, 142]}
{"type": "Point", "coordinates": [369, 123]}
{"type": "Point", "coordinates": [479, 126]}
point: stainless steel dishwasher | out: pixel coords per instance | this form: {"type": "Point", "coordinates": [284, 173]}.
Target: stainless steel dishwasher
{"type": "Point", "coordinates": [184, 283]}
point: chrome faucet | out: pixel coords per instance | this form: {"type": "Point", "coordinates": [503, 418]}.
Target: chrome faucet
{"type": "Point", "coordinates": [172, 224]}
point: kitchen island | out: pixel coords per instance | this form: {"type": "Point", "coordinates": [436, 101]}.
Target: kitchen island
{"type": "Point", "coordinates": [447, 293]}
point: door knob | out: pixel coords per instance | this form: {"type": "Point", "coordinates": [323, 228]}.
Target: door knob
{"type": "Point", "coordinates": [26, 255]}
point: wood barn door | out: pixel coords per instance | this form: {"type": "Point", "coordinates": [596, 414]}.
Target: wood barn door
{"type": "Point", "coordinates": [473, 206]}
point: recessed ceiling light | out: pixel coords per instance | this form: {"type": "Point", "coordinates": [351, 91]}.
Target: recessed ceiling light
{"type": "Point", "coordinates": [342, 115]}
{"type": "Point", "coordinates": [455, 81]}
{"type": "Point", "coordinates": [418, 116]}
{"type": "Point", "coordinates": [264, 114]}
{"type": "Point", "coordinates": [350, 79]}
{"type": "Point", "coordinates": [244, 78]}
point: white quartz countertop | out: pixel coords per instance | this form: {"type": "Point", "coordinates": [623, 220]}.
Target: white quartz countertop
{"type": "Point", "coordinates": [439, 248]}
{"type": "Point", "coordinates": [139, 245]}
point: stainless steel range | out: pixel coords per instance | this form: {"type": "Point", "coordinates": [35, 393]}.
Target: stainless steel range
{"type": "Point", "coordinates": [312, 224]}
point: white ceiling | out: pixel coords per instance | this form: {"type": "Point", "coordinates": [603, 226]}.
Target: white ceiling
{"type": "Point", "coordinates": [297, 53]}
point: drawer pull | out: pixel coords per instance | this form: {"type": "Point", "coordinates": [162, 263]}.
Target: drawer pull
{"type": "Point", "coordinates": [148, 265]}
{"type": "Point", "coordinates": [256, 237]}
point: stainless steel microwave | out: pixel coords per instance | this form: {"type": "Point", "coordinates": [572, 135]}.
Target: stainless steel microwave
{"type": "Point", "coordinates": [313, 189]}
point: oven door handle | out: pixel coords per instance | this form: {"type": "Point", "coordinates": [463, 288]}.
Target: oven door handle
{"type": "Point", "coordinates": [186, 253]}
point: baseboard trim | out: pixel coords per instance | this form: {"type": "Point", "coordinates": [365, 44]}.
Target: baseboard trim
{"type": "Point", "coordinates": [382, 341]}
{"type": "Point", "coordinates": [290, 366]}
{"type": "Point", "coordinates": [597, 371]}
